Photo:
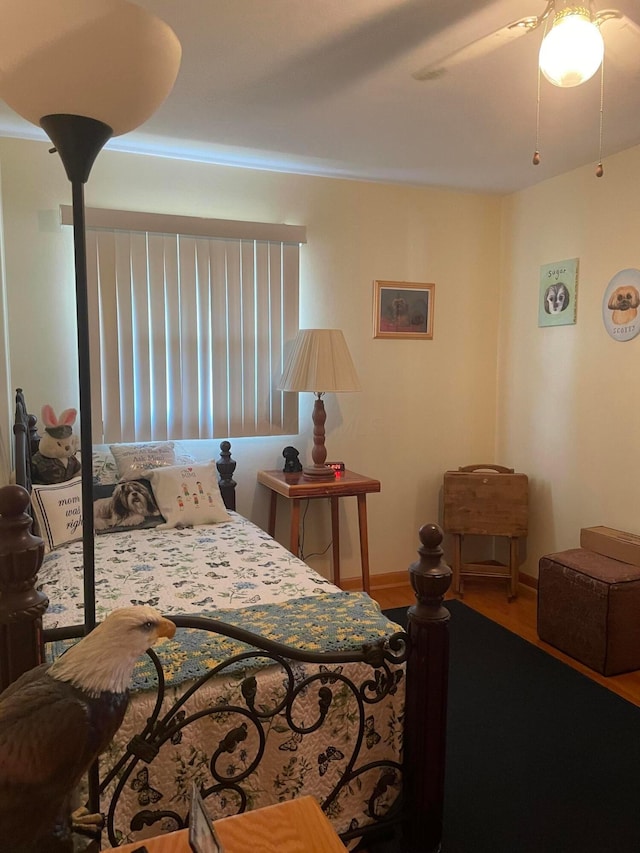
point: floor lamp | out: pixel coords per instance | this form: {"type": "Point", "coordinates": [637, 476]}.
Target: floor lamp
{"type": "Point", "coordinates": [319, 361]}
{"type": "Point", "coordinates": [84, 71]}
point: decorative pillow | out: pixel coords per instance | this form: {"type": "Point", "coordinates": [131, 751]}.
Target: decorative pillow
{"type": "Point", "coordinates": [134, 460]}
{"type": "Point", "coordinates": [127, 505]}
{"type": "Point", "coordinates": [58, 512]}
{"type": "Point", "coordinates": [188, 495]}
{"type": "Point", "coordinates": [105, 469]}
{"type": "Point", "coordinates": [183, 457]}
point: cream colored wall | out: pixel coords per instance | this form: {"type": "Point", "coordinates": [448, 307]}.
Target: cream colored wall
{"type": "Point", "coordinates": [425, 407]}
{"type": "Point", "coordinates": [6, 402]}
{"type": "Point", "coordinates": [569, 411]}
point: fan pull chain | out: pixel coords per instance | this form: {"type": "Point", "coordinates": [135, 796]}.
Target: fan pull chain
{"type": "Point", "coordinates": [600, 168]}
{"type": "Point", "coordinates": [536, 153]}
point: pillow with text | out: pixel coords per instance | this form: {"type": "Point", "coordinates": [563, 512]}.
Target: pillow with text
{"type": "Point", "coordinates": [188, 495]}
{"type": "Point", "coordinates": [134, 460]}
{"type": "Point", "coordinates": [58, 512]}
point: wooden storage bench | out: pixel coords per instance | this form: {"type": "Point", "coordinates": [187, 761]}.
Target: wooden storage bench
{"type": "Point", "coordinates": [589, 608]}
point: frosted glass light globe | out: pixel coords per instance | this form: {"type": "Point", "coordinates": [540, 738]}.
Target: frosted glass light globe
{"type": "Point", "coordinates": [572, 51]}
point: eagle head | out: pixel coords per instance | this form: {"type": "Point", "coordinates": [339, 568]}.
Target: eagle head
{"type": "Point", "coordinates": [103, 661]}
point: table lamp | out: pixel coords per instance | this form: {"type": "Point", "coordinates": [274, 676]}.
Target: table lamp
{"type": "Point", "coordinates": [319, 361]}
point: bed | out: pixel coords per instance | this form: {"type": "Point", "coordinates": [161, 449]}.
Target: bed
{"type": "Point", "coordinates": [278, 684]}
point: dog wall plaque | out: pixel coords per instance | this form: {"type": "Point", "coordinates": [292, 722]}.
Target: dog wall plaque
{"type": "Point", "coordinates": [558, 293]}
{"type": "Point", "coordinates": [620, 305]}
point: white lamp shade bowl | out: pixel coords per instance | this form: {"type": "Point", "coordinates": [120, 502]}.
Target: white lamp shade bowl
{"type": "Point", "coordinates": [108, 60]}
{"type": "Point", "coordinates": [572, 51]}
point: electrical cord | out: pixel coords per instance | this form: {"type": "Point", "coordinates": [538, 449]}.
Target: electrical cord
{"type": "Point", "coordinates": [304, 557]}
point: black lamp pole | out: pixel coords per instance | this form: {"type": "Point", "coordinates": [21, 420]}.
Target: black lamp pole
{"type": "Point", "coordinates": [78, 140]}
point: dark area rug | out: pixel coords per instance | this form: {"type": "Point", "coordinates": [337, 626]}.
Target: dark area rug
{"type": "Point", "coordinates": [540, 759]}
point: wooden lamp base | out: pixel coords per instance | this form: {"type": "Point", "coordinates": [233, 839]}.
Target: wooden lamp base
{"type": "Point", "coordinates": [318, 471]}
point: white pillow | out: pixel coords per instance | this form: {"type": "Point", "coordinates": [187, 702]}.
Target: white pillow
{"type": "Point", "coordinates": [58, 512]}
{"type": "Point", "coordinates": [134, 460]}
{"type": "Point", "coordinates": [188, 495]}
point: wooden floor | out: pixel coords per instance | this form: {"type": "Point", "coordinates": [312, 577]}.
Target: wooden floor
{"type": "Point", "coordinates": [489, 598]}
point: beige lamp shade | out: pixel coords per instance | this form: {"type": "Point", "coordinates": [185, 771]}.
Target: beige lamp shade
{"type": "Point", "coordinates": [108, 60]}
{"type": "Point", "coordinates": [319, 361]}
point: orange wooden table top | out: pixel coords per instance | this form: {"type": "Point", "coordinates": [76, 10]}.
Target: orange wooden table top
{"type": "Point", "coordinates": [345, 483]}
{"type": "Point", "coordinates": [297, 826]}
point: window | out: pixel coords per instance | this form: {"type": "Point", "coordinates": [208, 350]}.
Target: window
{"type": "Point", "coordinates": [189, 321]}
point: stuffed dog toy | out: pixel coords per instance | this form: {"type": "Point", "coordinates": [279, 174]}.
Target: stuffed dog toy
{"type": "Point", "coordinates": [291, 462]}
{"type": "Point", "coordinates": [624, 302]}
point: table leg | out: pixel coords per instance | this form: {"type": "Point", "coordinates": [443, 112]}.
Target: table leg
{"type": "Point", "coordinates": [335, 538]}
{"type": "Point", "coordinates": [514, 565]}
{"type": "Point", "coordinates": [364, 541]}
{"type": "Point", "coordinates": [272, 514]}
{"type": "Point", "coordinates": [295, 526]}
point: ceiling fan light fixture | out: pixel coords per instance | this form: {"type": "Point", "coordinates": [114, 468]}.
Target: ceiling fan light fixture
{"type": "Point", "coordinates": [572, 51]}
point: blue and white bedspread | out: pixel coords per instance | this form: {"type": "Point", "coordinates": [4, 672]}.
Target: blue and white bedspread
{"type": "Point", "coordinates": [190, 570]}
{"type": "Point", "coordinates": [235, 572]}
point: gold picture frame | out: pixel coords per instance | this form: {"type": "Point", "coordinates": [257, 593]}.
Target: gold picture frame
{"type": "Point", "coordinates": [403, 309]}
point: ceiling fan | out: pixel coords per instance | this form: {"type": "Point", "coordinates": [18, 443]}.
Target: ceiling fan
{"type": "Point", "coordinates": [569, 20]}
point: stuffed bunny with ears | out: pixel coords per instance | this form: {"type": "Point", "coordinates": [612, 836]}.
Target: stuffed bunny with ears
{"type": "Point", "coordinates": [56, 459]}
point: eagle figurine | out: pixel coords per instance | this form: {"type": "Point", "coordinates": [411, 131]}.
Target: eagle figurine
{"type": "Point", "coordinates": [57, 718]}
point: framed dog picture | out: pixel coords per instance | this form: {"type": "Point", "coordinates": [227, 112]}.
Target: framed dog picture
{"type": "Point", "coordinates": [621, 305]}
{"type": "Point", "coordinates": [558, 293]}
{"type": "Point", "coordinates": [403, 309]}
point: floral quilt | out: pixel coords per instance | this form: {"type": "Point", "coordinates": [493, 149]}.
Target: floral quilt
{"type": "Point", "coordinates": [181, 570]}
{"type": "Point", "coordinates": [235, 572]}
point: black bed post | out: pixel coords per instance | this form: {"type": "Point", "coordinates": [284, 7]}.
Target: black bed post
{"type": "Point", "coordinates": [226, 466]}
{"type": "Point", "coordinates": [426, 700]}
{"type": "Point", "coordinates": [21, 605]}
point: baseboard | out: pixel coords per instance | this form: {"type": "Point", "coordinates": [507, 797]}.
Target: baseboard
{"type": "Point", "coordinates": [528, 580]}
{"type": "Point", "coordinates": [386, 581]}
{"type": "Point", "coordinates": [390, 580]}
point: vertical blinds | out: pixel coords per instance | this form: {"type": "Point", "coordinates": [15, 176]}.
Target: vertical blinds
{"type": "Point", "coordinates": [188, 329]}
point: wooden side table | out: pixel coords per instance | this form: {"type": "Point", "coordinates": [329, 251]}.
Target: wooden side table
{"type": "Point", "coordinates": [297, 826]}
{"type": "Point", "coordinates": [295, 488]}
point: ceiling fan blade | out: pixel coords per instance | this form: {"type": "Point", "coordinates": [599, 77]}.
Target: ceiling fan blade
{"type": "Point", "coordinates": [479, 47]}
{"type": "Point", "coordinates": [621, 37]}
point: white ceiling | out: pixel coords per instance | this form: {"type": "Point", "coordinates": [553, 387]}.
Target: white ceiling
{"type": "Point", "coordinates": [324, 87]}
